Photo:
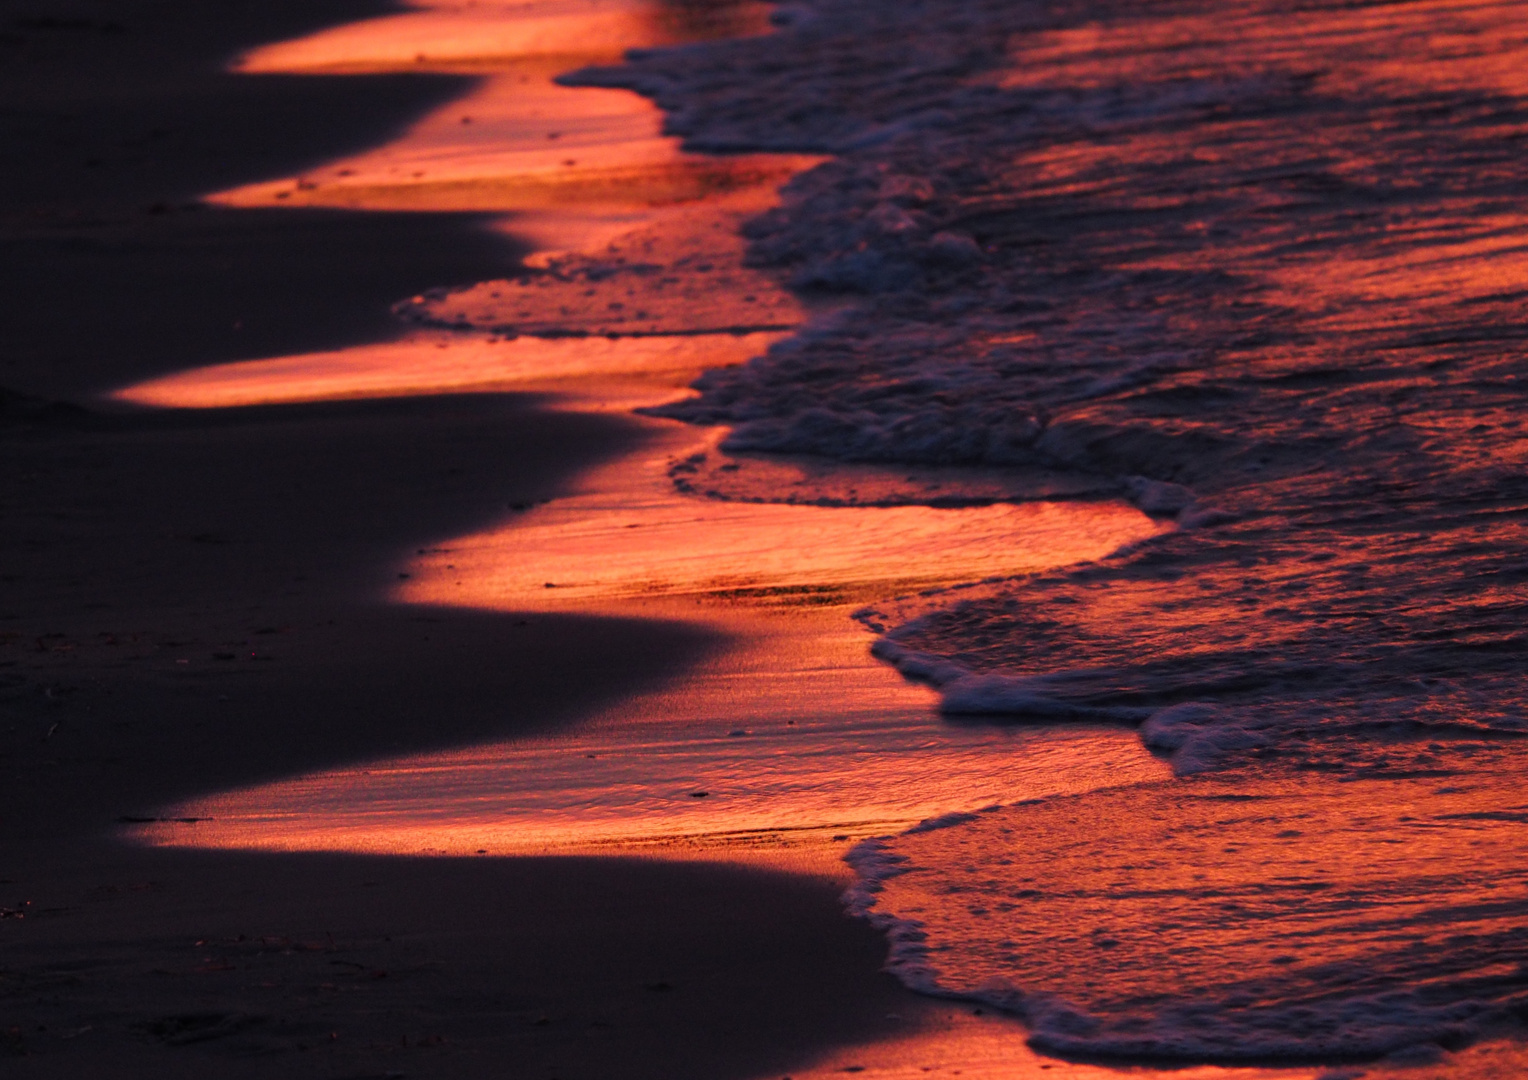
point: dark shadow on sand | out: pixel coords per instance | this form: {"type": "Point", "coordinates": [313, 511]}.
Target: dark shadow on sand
{"type": "Point", "coordinates": [90, 309]}
{"type": "Point", "coordinates": [118, 118]}
{"type": "Point", "coordinates": [197, 600]}
{"type": "Point", "coordinates": [138, 550]}
{"type": "Point", "coordinates": [257, 545]}
{"type": "Point", "coordinates": [334, 965]}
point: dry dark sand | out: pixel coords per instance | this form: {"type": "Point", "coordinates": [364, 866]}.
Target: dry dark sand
{"type": "Point", "coordinates": [191, 601]}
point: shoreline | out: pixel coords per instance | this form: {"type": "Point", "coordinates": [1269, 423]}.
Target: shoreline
{"type": "Point", "coordinates": [680, 300]}
{"type": "Point", "coordinates": [170, 962]}
{"type": "Point", "coordinates": [193, 529]}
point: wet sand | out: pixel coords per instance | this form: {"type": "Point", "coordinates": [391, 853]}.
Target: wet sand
{"type": "Point", "coordinates": [208, 599]}
{"type": "Point", "coordinates": [134, 542]}
{"type": "Point", "coordinates": [184, 593]}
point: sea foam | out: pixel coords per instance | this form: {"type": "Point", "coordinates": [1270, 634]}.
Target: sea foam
{"type": "Point", "coordinates": [1262, 275]}
{"type": "Point", "coordinates": [1262, 269]}
{"type": "Point", "coordinates": [1264, 915]}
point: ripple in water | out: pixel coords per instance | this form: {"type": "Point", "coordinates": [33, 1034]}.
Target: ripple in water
{"type": "Point", "coordinates": [1261, 268]}
{"type": "Point", "coordinates": [1247, 915]}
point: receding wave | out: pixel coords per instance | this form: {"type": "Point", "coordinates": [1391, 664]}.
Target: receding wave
{"type": "Point", "coordinates": [1260, 267]}
{"type": "Point", "coordinates": [1242, 916]}
{"type": "Point", "coordinates": [1265, 272]}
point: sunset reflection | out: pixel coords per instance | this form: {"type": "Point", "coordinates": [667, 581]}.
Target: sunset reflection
{"type": "Point", "coordinates": [794, 742]}
{"type": "Point", "coordinates": [790, 745]}
{"type": "Point", "coordinates": [952, 1039]}
{"type": "Point", "coordinates": [443, 35]}
{"type": "Point", "coordinates": [632, 536]}
{"type": "Point", "coordinates": [518, 141]}
{"type": "Point", "coordinates": [1257, 893]}
{"type": "Point", "coordinates": [439, 364]}
{"type": "Point", "coordinates": [1167, 430]}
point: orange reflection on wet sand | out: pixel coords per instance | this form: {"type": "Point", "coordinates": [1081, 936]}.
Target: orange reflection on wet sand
{"type": "Point", "coordinates": [794, 731]}
{"type": "Point", "coordinates": [787, 746]}
{"type": "Point", "coordinates": [948, 1040]}
{"type": "Point", "coordinates": [449, 35]}
{"type": "Point", "coordinates": [518, 141]}
{"type": "Point", "coordinates": [628, 533]}
{"type": "Point", "coordinates": [790, 743]}
{"type": "Point", "coordinates": [437, 363]}
{"type": "Point", "coordinates": [697, 775]}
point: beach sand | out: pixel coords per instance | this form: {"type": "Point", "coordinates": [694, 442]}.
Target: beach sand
{"type": "Point", "coordinates": [203, 600]}
{"type": "Point", "coordinates": [133, 542]}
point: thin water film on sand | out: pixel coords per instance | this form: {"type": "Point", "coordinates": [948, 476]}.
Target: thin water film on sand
{"type": "Point", "coordinates": [1256, 268]}
{"type": "Point", "coordinates": [637, 285]}
{"type": "Point", "coordinates": [1259, 268]}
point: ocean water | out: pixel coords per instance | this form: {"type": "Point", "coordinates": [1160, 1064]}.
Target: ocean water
{"type": "Point", "coordinates": [1260, 268]}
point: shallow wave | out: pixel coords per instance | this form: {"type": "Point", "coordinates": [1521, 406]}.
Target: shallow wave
{"type": "Point", "coordinates": [1269, 915]}
{"type": "Point", "coordinates": [1261, 267]}
{"type": "Point", "coordinates": [1258, 269]}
